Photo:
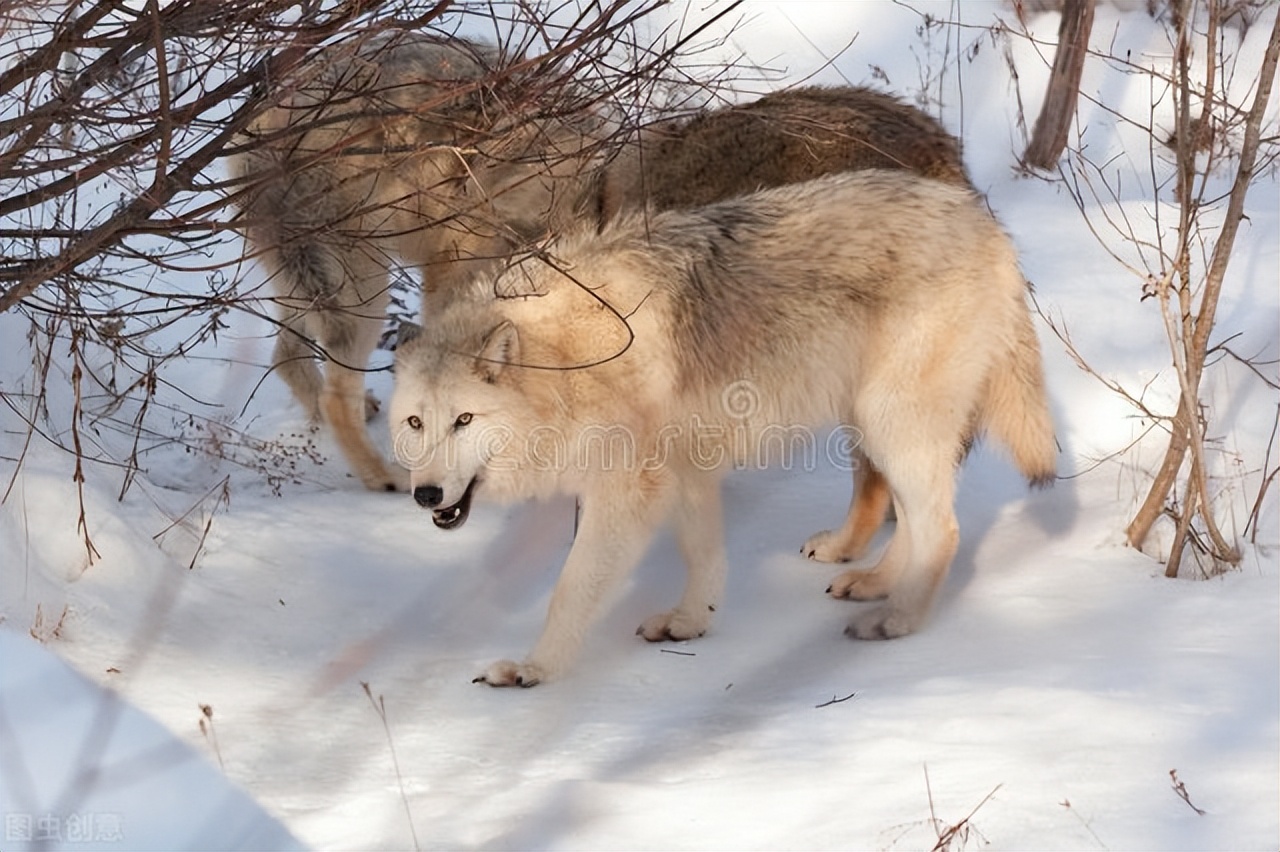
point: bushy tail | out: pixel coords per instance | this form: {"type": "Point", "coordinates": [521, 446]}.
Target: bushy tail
{"type": "Point", "coordinates": [1016, 411]}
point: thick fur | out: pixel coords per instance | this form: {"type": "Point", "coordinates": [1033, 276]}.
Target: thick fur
{"type": "Point", "coordinates": [785, 137]}
{"type": "Point", "coordinates": [877, 300]}
{"type": "Point", "coordinates": [398, 150]}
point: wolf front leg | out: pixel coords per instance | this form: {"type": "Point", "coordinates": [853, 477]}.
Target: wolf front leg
{"type": "Point", "coordinates": [619, 517]}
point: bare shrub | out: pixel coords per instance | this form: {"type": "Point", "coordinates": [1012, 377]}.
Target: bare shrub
{"type": "Point", "coordinates": [117, 253]}
{"type": "Point", "coordinates": [1205, 147]}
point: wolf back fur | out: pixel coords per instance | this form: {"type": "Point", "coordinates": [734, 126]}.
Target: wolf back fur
{"type": "Point", "coordinates": [399, 150]}
{"type": "Point", "coordinates": [785, 137]}
{"type": "Point", "coordinates": [874, 300]}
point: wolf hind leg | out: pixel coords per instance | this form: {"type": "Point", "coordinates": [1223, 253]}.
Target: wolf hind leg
{"type": "Point", "coordinates": [344, 401]}
{"type": "Point", "coordinates": [700, 533]}
{"type": "Point", "coordinates": [922, 548]}
{"type": "Point", "coordinates": [348, 335]}
{"type": "Point", "coordinates": [294, 360]}
{"type": "Point", "coordinates": [873, 584]}
{"type": "Point", "coordinates": [871, 500]}
{"type": "Point", "coordinates": [333, 289]}
{"type": "Point", "coordinates": [349, 339]}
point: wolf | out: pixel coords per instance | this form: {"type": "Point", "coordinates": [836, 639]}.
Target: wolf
{"type": "Point", "coordinates": [785, 137]}
{"type": "Point", "coordinates": [874, 300]}
{"type": "Point", "coordinates": [404, 149]}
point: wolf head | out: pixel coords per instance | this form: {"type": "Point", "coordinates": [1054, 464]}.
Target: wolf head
{"type": "Point", "coordinates": [447, 415]}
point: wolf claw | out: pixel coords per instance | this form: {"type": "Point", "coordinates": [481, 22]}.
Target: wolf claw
{"type": "Point", "coordinates": [824, 547]}
{"type": "Point", "coordinates": [673, 627]}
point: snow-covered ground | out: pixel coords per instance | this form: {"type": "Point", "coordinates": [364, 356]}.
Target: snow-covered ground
{"type": "Point", "coordinates": [318, 644]}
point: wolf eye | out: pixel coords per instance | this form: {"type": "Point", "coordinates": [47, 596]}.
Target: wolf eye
{"type": "Point", "coordinates": [463, 419]}
{"type": "Point", "coordinates": [415, 422]}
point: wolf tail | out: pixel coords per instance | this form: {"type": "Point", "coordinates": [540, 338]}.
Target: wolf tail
{"type": "Point", "coordinates": [1015, 410]}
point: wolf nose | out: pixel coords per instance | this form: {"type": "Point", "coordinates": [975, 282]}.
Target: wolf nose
{"type": "Point", "coordinates": [428, 496]}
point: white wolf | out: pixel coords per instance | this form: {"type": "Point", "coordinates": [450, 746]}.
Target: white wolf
{"type": "Point", "coordinates": [876, 299]}
{"type": "Point", "coordinates": [407, 148]}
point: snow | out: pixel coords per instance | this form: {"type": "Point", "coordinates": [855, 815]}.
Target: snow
{"type": "Point", "coordinates": [1059, 683]}
{"type": "Point", "coordinates": [85, 770]}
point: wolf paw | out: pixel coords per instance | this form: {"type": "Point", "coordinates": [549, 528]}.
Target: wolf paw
{"type": "Point", "coordinates": [676, 626]}
{"type": "Point", "coordinates": [860, 586]}
{"type": "Point", "coordinates": [825, 547]}
{"type": "Point", "coordinates": [883, 622]}
{"type": "Point", "coordinates": [395, 479]}
{"type": "Point", "coordinates": [507, 673]}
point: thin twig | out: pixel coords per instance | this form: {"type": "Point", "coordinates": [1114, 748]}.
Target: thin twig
{"type": "Point", "coordinates": [206, 728]}
{"type": "Point", "coordinates": [77, 411]}
{"type": "Point", "coordinates": [1181, 790]}
{"type": "Point", "coordinates": [1256, 514]}
{"type": "Point", "coordinates": [380, 707]}
{"type": "Point", "coordinates": [835, 700]}
{"type": "Point", "coordinates": [959, 830]}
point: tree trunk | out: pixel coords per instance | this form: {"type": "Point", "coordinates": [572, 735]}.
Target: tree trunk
{"type": "Point", "coordinates": [1052, 125]}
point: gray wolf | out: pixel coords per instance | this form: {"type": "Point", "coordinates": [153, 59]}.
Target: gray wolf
{"type": "Point", "coordinates": [405, 150]}
{"type": "Point", "coordinates": [877, 300]}
{"type": "Point", "coordinates": [785, 137]}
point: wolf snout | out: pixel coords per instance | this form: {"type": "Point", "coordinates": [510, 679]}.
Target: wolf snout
{"type": "Point", "coordinates": [428, 496]}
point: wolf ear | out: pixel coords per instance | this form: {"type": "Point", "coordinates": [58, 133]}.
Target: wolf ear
{"type": "Point", "coordinates": [407, 333]}
{"type": "Point", "coordinates": [501, 347]}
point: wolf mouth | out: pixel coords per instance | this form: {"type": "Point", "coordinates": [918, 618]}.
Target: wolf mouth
{"type": "Point", "coordinates": [452, 517]}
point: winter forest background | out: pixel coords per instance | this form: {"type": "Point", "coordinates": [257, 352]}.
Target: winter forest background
{"type": "Point", "coordinates": [212, 637]}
